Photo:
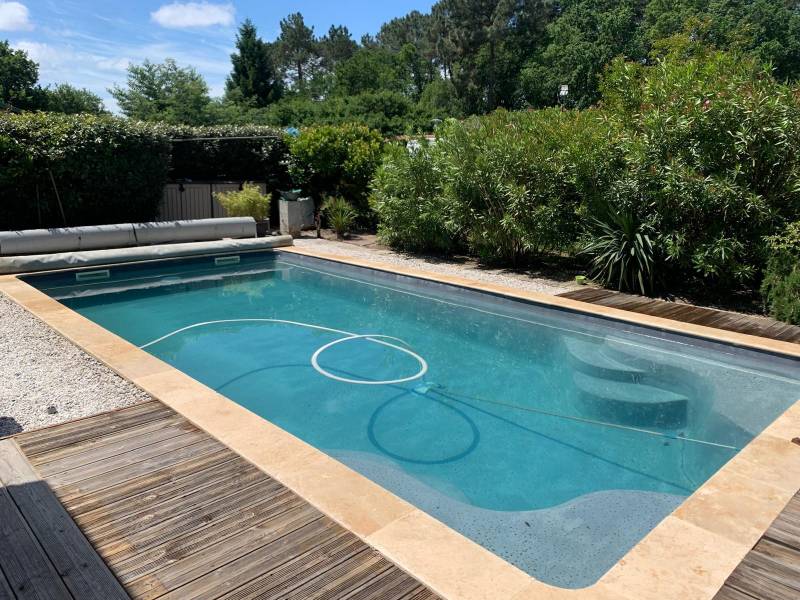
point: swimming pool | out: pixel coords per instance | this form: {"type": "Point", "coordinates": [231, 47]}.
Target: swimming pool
{"type": "Point", "coordinates": [556, 440]}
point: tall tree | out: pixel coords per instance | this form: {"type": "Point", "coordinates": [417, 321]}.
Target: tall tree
{"type": "Point", "coordinates": [336, 46]}
{"type": "Point", "coordinates": [164, 92]}
{"type": "Point", "coordinates": [65, 98]}
{"type": "Point", "coordinates": [584, 38]}
{"type": "Point", "coordinates": [476, 35]}
{"type": "Point", "coordinates": [297, 50]}
{"type": "Point", "coordinates": [18, 76]}
{"type": "Point", "coordinates": [253, 78]}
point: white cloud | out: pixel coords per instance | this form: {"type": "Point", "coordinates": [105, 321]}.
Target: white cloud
{"type": "Point", "coordinates": [14, 17]}
{"type": "Point", "coordinates": [41, 53]}
{"type": "Point", "coordinates": [193, 14]}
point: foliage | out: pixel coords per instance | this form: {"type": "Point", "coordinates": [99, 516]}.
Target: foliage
{"type": "Point", "coordinates": [164, 92]}
{"type": "Point", "coordinates": [622, 253]}
{"type": "Point", "coordinates": [781, 285]}
{"type": "Point", "coordinates": [247, 202]}
{"type": "Point", "coordinates": [585, 37]}
{"type": "Point", "coordinates": [18, 76]}
{"type": "Point", "coordinates": [296, 51]}
{"type": "Point", "coordinates": [371, 70]}
{"type": "Point", "coordinates": [253, 78]}
{"type": "Point", "coordinates": [510, 185]}
{"type": "Point", "coordinates": [64, 98]}
{"type": "Point", "coordinates": [518, 182]}
{"type": "Point", "coordinates": [336, 161]}
{"type": "Point", "coordinates": [205, 153]}
{"type": "Point", "coordinates": [105, 170]}
{"type": "Point", "coordinates": [339, 214]}
{"type": "Point", "coordinates": [413, 212]}
{"type": "Point", "coordinates": [711, 148]}
{"type": "Point", "coordinates": [336, 47]}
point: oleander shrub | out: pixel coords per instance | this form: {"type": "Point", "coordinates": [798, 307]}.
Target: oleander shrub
{"type": "Point", "coordinates": [102, 168]}
{"type": "Point", "coordinates": [336, 160]}
{"type": "Point", "coordinates": [408, 198]}
{"type": "Point", "coordinates": [781, 285]}
{"type": "Point", "coordinates": [519, 183]}
{"type": "Point", "coordinates": [712, 149]}
{"type": "Point", "coordinates": [247, 202]}
{"type": "Point", "coordinates": [509, 186]}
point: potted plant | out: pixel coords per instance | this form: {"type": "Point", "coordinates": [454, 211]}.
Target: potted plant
{"type": "Point", "coordinates": [340, 215]}
{"type": "Point", "coordinates": [247, 202]}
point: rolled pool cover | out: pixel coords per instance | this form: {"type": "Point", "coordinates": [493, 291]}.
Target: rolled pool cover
{"type": "Point", "coordinates": [67, 260]}
{"type": "Point", "coordinates": [124, 235]}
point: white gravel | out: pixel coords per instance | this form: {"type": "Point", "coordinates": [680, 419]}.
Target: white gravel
{"type": "Point", "coordinates": [460, 267]}
{"type": "Point", "coordinates": [44, 379]}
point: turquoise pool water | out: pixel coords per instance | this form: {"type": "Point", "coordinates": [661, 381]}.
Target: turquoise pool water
{"type": "Point", "coordinates": [554, 439]}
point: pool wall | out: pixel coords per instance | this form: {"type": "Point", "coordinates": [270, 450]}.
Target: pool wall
{"type": "Point", "coordinates": [689, 554]}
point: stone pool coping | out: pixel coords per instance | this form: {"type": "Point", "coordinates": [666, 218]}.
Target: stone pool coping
{"type": "Point", "coordinates": [689, 554]}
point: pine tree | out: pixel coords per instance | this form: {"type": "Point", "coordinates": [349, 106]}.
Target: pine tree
{"type": "Point", "coordinates": [297, 50]}
{"type": "Point", "coordinates": [253, 77]}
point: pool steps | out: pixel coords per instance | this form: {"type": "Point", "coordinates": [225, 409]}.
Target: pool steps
{"type": "Point", "coordinates": [589, 358]}
{"type": "Point", "coordinates": [612, 390]}
{"type": "Point", "coordinates": [633, 404]}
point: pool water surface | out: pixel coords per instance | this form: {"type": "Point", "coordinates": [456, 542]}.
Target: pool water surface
{"type": "Point", "coordinates": [554, 439]}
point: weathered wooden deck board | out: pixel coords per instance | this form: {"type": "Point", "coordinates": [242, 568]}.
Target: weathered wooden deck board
{"type": "Point", "coordinates": [175, 514]}
{"type": "Point", "coordinates": [44, 553]}
{"type": "Point", "coordinates": [686, 313]}
{"type": "Point", "coordinates": [771, 570]}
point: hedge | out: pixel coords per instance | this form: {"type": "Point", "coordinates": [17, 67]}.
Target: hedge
{"type": "Point", "coordinates": [252, 152]}
{"type": "Point", "coordinates": [112, 170]}
{"type": "Point", "coordinates": [694, 162]}
{"type": "Point", "coordinates": [104, 169]}
{"type": "Point", "coordinates": [507, 186]}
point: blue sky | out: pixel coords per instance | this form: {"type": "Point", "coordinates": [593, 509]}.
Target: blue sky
{"type": "Point", "coordinates": [90, 43]}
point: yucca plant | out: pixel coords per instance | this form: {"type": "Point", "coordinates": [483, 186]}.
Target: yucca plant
{"type": "Point", "coordinates": [622, 254]}
{"type": "Point", "coordinates": [339, 213]}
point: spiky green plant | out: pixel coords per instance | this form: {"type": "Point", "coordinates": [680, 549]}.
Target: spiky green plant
{"type": "Point", "coordinates": [339, 213]}
{"type": "Point", "coordinates": [622, 254]}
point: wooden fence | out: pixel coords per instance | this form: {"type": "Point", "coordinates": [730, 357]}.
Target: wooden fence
{"type": "Point", "coordinates": [196, 200]}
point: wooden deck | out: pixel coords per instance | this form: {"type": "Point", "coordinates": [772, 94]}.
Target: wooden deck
{"type": "Point", "coordinates": [173, 513]}
{"type": "Point", "coordinates": [771, 571]}
{"type": "Point", "coordinates": [686, 313]}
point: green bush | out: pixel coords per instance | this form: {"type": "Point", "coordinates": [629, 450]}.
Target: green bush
{"type": "Point", "coordinates": [247, 202]}
{"type": "Point", "coordinates": [339, 214]}
{"type": "Point", "coordinates": [105, 170]}
{"type": "Point", "coordinates": [251, 153]}
{"type": "Point", "coordinates": [518, 183]}
{"type": "Point", "coordinates": [336, 161]}
{"type": "Point", "coordinates": [781, 285]}
{"type": "Point", "coordinates": [712, 150]}
{"type": "Point", "coordinates": [412, 210]}
{"type": "Point", "coordinates": [509, 186]}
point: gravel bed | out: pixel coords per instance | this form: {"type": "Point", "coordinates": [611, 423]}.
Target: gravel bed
{"type": "Point", "coordinates": [468, 269]}
{"type": "Point", "coordinates": [45, 379]}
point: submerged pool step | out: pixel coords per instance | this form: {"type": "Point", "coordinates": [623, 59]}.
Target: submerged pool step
{"type": "Point", "coordinates": [629, 403]}
{"type": "Point", "coordinates": [590, 358]}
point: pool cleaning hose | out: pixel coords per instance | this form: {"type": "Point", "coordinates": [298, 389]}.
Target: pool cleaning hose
{"type": "Point", "coordinates": [375, 338]}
